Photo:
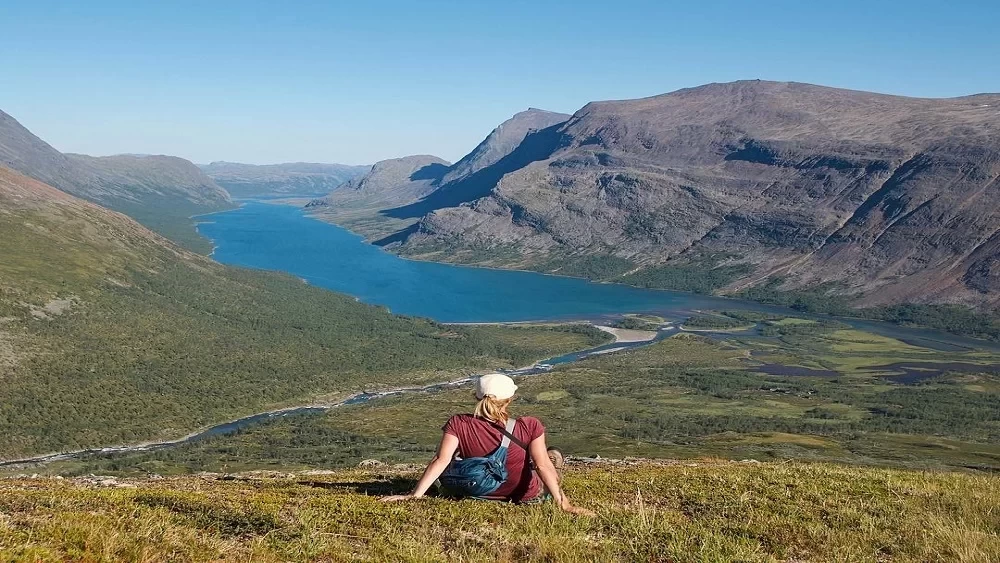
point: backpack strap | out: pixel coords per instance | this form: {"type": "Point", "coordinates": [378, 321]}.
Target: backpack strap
{"type": "Point", "coordinates": [508, 434]}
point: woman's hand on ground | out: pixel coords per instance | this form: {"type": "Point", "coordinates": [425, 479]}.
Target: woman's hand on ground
{"type": "Point", "coordinates": [579, 511]}
{"type": "Point", "coordinates": [398, 498]}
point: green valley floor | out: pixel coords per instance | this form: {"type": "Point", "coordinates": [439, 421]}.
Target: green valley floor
{"type": "Point", "coordinates": [791, 388]}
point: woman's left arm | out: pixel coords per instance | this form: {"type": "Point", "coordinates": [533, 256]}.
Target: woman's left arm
{"type": "Point", "coordinates": [446, 451]}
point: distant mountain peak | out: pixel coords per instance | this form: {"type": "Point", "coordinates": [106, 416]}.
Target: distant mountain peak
{"type": "Point", "coordinates": [503, 140]}
{"type": "Point", "coordinates": [388, 183]}
{"type": "Point", "coordinates": [395, 172]}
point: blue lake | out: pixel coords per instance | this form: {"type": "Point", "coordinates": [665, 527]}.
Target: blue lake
{"type": "Point", "coordinates": [284, 238]}
{"type": "Point", "coordinates": [279, 237]}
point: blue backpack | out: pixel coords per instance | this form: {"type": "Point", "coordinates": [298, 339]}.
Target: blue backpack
{"type": "Point", "coordinates": [479, 476]}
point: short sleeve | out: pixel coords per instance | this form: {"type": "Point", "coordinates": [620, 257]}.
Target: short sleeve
{"type": "Point", "coordinates": [532, 427]}
{"type": "Point", "coordinates": [450, 426]}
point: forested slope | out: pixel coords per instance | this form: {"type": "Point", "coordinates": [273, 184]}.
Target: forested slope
{"type": "Point", "coordinates": [111, 334]}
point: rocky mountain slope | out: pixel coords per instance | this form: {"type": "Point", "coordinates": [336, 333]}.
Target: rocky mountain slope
{"type": "Point", "coordinates": [162, 192]}
{"type": "Point", "coordinates": [292, 178]}
{"type": "Point", "coordinates": [397, 192]}
{"type": "Point", "coordinates": [520, 140]}
{"type": "Point", "coordinates": [890, 198]}
{"type": "Point", "coordinates": [390, 183]}
{"type": "Point", "coordinates": [135, 177]}
{"type": "Point", "coordinates": [395, 180]}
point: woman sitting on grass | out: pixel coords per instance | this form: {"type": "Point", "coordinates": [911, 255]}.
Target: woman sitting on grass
{"type": "Point", "coordinates": [491, 456]}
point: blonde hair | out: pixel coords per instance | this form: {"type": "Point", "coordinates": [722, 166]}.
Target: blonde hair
{"type": "Point", "coordinates": [494, 410]}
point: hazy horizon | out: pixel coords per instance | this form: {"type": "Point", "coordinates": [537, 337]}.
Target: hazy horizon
{"type": "Point", "coordinates": [245, 82]}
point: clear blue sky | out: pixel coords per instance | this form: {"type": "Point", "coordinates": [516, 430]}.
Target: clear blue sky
{"type": "Point", "coordinates": [355, 82]}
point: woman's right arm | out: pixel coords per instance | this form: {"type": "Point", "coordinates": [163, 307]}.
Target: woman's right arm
{"type": "Point", "coordinates": [446, 451]}
{"type": "Point", "coordinates": [548, 474]}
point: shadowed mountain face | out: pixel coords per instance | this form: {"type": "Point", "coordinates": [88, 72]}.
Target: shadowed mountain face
{"type": "Point", "coordinates": [385, 204]}
{"type": "Point", "coordinates": [389, 184]}
{"type": "Point", "coordinates": [293, 178]}
{"type": "Point", "coordinates": [517, 142]}
{"type": "Point", "coordinates": [502, 141]}
{"type": "Point", "coordinates": [536, 145]}
{"type": "Point", "coordinates": [397, 180]}
{"type": "Point", "coordinates": [890, 197]}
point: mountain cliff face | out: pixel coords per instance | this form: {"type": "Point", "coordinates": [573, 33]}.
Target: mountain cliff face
{"type": "Point", "coordinates": [357, 204]}
{"type": "Point", "coordinates": [292, 178]}
{"type": "Point", "coordinates": [892, 198]}
{"type": "Point", "coordinates": [522, 139]}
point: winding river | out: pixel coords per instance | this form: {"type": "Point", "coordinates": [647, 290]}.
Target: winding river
{"type": "Point", "coordinates": [358, 398]}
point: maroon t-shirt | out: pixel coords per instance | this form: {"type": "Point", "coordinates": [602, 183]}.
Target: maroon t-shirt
{"type": "Point", "coordinates": [478, 437]}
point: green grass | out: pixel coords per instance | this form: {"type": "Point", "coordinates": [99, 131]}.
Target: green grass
{"type": "Point", "coordinates": [362, 220]}
{"type": "Point", "coordinates": [716, 322]}
{"type": "Point", "coordinates": [592, 267]}
{"type": "Point", "coordinates": [639, 322]}
{"type": "Point", "coordinates": [693, 511]}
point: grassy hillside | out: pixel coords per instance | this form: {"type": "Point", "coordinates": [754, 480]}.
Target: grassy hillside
{"type": "Point", "coordinates": [110, 334]}
{"type": "Point", "coordinates": [693, 511]}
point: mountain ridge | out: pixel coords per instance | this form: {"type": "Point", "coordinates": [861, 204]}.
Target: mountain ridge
{"type": "Point", "coordinates": [503, 140]}
{"type": "Point", "coordinates": [97, 178]}
{"type": "Point", "coordinates": [288, 178]}
{"type": "Point", "coordinates": [162, 192]}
